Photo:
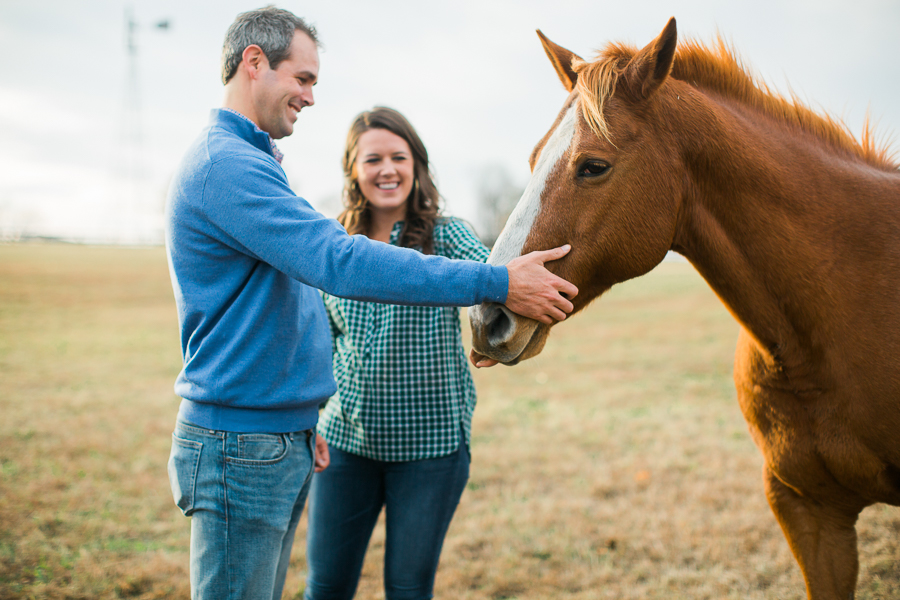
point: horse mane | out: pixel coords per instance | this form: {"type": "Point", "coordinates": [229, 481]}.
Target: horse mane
{"type": "Point", "coordinates": [718, 70]}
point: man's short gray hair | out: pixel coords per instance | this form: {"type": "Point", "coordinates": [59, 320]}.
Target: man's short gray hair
{"type": "Point", "coordinates": [270, 28]}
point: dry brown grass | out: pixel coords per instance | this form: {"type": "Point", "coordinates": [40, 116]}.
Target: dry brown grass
{"type": "Point", "coordinates": [614, 465]}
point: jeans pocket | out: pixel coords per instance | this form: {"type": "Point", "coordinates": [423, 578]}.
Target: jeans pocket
{"type": "Point", "coordinates": [260, 448]}
{"type": "Point", "coordinates": [184, 461]}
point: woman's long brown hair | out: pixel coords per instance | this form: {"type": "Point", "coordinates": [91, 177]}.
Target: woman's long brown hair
{"type": "Point", "coordinates": [422, 205]}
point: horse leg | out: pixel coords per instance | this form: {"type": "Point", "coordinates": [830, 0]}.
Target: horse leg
{"type": "Point", "coordinates": [822, 538]}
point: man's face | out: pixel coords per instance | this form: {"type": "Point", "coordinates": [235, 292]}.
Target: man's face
{"type": "Point", "coordinates": [279, 94]}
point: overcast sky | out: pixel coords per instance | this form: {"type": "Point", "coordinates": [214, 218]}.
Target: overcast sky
{"type": "Point", "coordinates": [470, 75]}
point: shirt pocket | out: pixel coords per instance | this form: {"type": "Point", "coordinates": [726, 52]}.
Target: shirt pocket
{"type": "Point", "coordinates": [184, 462]}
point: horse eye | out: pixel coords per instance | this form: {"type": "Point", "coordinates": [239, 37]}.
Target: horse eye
{"type": "Point", "coordinates": [593, 168]}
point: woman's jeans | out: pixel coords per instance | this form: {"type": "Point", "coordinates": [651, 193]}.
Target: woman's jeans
{"type": "Point", "coordinates": [345, 499]}
{"type": "Point", "coordinates": [244, 493]}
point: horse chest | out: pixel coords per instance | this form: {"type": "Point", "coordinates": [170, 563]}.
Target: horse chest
{"type": "Point", "coordinates": [811, 444]}
{"type": "Point", "coordinates": [780, 421]}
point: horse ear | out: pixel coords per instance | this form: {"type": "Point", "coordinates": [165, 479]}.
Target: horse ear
{"type": "Point", "coordinates": [650, 67]}
{"type": "Point", "coordinates": [562, 61]}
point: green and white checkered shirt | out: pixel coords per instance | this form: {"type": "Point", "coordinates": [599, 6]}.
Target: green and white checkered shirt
{"type": "Point", "coordinates": [404, 387]}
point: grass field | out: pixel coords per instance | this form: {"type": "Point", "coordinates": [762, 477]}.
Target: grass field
{"type": "Point", "coordinates": [614, 465]}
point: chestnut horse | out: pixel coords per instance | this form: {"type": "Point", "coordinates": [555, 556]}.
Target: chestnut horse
{"type": "Point", "coordinates": [793, 223]}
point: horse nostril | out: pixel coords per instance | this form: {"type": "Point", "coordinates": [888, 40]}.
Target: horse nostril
{"type": "Point", "coordinates": [498, 326]}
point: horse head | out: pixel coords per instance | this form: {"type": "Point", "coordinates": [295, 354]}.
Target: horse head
{"type": "Point", "coordinates": [602, 180]}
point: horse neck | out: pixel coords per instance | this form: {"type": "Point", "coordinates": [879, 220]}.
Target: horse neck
{"type": "Point", "coordinates": [793, 235]}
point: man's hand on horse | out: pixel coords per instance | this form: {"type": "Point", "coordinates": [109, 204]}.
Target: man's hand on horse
{"type": "Point", "coordinates": [535, 292]}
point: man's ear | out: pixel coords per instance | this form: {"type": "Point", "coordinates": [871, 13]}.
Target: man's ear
{"type": "Point", "coordinates": [253, 58]}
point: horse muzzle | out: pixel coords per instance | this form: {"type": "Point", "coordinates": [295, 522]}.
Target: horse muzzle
{"type": "Point", "coordinates": [501, 334]}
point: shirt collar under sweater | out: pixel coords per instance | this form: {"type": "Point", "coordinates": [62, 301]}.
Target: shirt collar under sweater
{"type": "Point", "coordinates": [257, 136]}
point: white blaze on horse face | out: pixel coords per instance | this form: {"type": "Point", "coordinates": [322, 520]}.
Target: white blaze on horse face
{"type": "Point", "coordinates": [518, 226]}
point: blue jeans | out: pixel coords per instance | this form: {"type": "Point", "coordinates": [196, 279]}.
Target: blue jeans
{"type": "Point", "coordinates": [345, 499]}
{"type": "Point", "coordinates": [244, 493]}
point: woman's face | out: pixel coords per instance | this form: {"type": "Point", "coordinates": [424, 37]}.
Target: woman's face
{"type": "Point", "coordinates": [385, 170]}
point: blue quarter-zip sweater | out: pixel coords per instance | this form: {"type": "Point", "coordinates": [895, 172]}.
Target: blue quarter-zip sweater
{"type": "Point", "coordinates": [245, 256]}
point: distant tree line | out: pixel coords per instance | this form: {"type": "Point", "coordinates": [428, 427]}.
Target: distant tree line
{"type": "Point", "coordinates": [497, 195]}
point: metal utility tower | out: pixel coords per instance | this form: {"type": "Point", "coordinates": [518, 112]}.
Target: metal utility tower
{"type": "Point", "coordinates": [131, 142]}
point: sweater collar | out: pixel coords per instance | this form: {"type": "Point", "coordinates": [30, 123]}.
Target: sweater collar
{"type": "Point", "coordinates": [246, 129]}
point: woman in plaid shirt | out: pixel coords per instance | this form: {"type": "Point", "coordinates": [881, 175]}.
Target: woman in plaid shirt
{"type": "Point", "coordinates": [399, 426]}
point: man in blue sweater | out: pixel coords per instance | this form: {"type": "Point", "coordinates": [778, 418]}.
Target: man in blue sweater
{"type": "Point", "coordinates": [247, 258]}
